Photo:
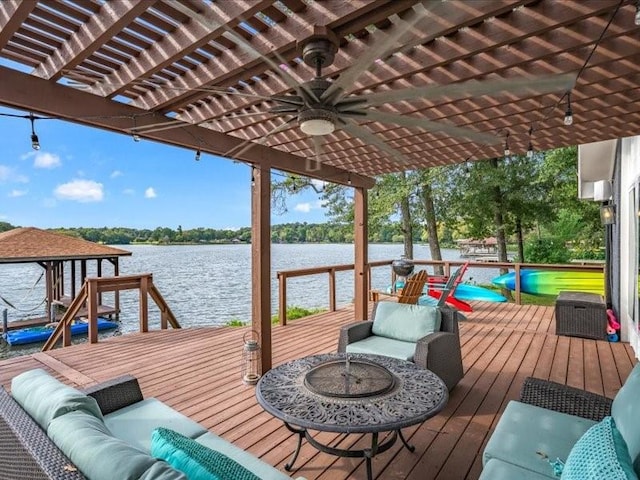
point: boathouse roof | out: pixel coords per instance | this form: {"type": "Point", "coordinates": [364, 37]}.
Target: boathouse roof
{"type": "Point", "coordinates": [29, 244]}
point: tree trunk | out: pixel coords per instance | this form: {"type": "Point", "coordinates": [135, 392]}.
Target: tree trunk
{"type": "Point", "coordinates": [499, 223]}
{"type": "Point", "coordinates": [432, 227]}
{"type": "Point", "coordinates": [520, 237]}
{"type": "Point", "coordinates": [407, 227]}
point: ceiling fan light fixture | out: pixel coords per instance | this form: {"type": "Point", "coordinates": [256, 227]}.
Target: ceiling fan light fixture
{"type": "Point", "coordinates": [317, 121]}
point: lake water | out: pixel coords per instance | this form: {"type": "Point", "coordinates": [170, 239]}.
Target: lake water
{"type": "Point", "coordinates": [211, 284]}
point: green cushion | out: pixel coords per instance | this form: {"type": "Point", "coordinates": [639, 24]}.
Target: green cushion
{"type": "Point", "coordinates": [135, 423]}
{"type": "Point", "coordinates": [46, 398]}
{"type": "Point", "coordinates": [161, 470]}
{"type": "Point", "coordinates": [498, 470]}
{"type": "Point", "coordinates": [530, 437]}
{"type": "Point", "coordinates": [404, 322]}
{"type": "Point", "coordinates": [384, 346]}
{"type": "Point", "coordinates": [194, 459]}
{"type": "Point", "coordinates": [98, 455]}
{"type": "Point", "coordinates": [601, 453]}
{"type": "Point", "coordinates": [626, 412]}
{"type": "Point", "coordinates": [246, 459]}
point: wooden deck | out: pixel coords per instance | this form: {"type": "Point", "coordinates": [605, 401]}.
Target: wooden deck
{"type": "Point", "coordinates": [197, 371]}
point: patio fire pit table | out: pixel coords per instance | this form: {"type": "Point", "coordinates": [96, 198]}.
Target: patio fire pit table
{"type": "Point", "coordinates": [355, 394]}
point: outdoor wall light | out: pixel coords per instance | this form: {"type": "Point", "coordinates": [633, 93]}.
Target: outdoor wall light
{"type": "Point", "coordinates": [637, 17]}
{"type": "Point", "coordinates": [608, 214]}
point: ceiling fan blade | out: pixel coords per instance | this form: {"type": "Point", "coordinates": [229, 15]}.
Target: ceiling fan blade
{"type": "Point", "coordinates": [313, 164]}
{"type": "Point", "coordinates": [388, 41]}
{"type": "Point", "coordinates": [536, 85]}
{"type": "Point", "coordinates": [213, 24]}
{"type": "Point", "coordinates": [248, 144]}
{"type": "Point", "coordinates": [432, 126]}
{"type": "Point", "coordinates": [369, 137]}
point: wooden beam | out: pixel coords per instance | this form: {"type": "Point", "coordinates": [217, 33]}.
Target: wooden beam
{"type": "Point", "coordinates": [26, 92]}
{"type": "Point", "coordinates": [361, 259]}
{"type": "Point", "coordinates": [112, 18]}
{"type": "Point", "coordinates": [12, 14]}
{"type": "Point", "coordinates": [261, 259]}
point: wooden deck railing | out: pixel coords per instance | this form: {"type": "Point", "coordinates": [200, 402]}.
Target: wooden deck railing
{"type": "Point", "coordinates": [89, 294]}
{"type": "Point", "coordinates": [331, 270]}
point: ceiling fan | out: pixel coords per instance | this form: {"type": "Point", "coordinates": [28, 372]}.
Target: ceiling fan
{"type": "Point", "coordinates": [321, 106]}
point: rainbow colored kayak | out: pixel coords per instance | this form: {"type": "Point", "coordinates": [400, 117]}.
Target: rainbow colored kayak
{"type": "Point", "coordinates": [539, 282]}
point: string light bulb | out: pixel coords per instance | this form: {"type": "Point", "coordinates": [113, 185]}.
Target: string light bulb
{"type": "Point", "coordinates": [253, 178]}
{"type": "Point", "coordinates": [136, 137]}
{"type": "Point", "coordinates": [35, 142]}
{"type": "Point", "coordinates": [637, 15]}
{"type": "Point", "coordinates": [507, 151]}
{"type": "Point", "coordinates": [349, 179]}
{"type": "Point", "coordinates": [198, 154]}
{"type": "Point", "coordinates": [568, 115]}
{"type": "Point", "coordinates": [530, 148]}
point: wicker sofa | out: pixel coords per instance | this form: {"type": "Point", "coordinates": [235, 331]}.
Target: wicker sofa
{"type": "Point", "coordinates": [438, 351]}
{"type": "Point", "coordinates": [540, 431]}
{"type": "Point", "coordinates": [32, 444]}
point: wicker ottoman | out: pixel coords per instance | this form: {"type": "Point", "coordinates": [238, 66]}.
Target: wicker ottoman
{"type": "Point", "coordinates": [581, 315]}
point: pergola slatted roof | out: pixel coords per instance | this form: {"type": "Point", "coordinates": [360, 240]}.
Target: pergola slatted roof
{"type": "Point", "coordinates": [202, 62]}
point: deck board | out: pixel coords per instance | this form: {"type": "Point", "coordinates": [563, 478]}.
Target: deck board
{"type": "Point", "coordinates": [197, 371]}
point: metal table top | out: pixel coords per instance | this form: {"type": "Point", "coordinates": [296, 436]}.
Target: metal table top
{"type": "Point", "coordinates": [415, 396]}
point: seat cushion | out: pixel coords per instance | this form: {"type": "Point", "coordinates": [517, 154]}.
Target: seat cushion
{"type": "Point", "coordinates": [97, 454]}
{"type": "Point", "coordinates": [135, 423]}
{"type": "Point", "coordinates": [194, 459]}
{"type": "Point", "coordinates": [600, 453]}
{"type": "Point", "coordinates": [45, 398]}
{"type": "Point", "coordinates": [498, 470]}
{"type": "Point", "coordinates": [530, 437]}
{"type": "Point", "coordinates": [384, 346]}
{"type": "Point", "coordinates": [404, 322]}
{"type": "Point", "coordinates": [246, 459]}
{"type": "Point", "coordinates": [625, 411]}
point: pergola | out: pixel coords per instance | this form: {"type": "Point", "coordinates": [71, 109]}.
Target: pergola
{"type": "Point", "coordinates": [200, 74]}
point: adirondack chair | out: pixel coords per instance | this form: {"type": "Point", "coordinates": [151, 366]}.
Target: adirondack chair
{"type": "Point", "coordinates": [410, 293]}
{"type": "Point", "coordinates": [443, 291]}
{"type": "Point", "coordinates": [435, 288]}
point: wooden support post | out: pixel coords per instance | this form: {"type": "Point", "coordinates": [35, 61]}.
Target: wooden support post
{"type": "Point", "coordinates": [517, 285]}
{"type": "Point", "coordinates": [261, 258]}
{"type": "Point", "coordinates": [332, 290]}
{"type": "Point", "coordinates": [73, 279]}
{"type": "Point", "coordinates": [361, 306]}
{"type": "Point", "coordinates": [92, 309]}
{"type": "Point", "coordinates": [99, 274]}
{"type": "Point", "coordinates": [282, 299]}
{"type": "Point", "coordinates": [49, 288]}
{"type": "Point", "coordinates": [144, 303]}
{"type": "Point", "coordinates": [116, 295]}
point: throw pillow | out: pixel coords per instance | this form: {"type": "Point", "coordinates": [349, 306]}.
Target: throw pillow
{"type": "Point", "coordinates": [600, 453]}
{"type": "Point", "coordinates": [196, 461]}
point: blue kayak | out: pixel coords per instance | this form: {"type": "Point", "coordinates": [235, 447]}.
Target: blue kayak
{"type": "Point", "coordinates": [42, 334]}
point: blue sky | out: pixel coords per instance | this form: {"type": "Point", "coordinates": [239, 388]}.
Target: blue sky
{"type": "Point", "coordinates": [87, 177]}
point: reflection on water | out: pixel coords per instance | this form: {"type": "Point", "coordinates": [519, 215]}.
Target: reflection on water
{"type": "Point", "coordinates": [211, 284]}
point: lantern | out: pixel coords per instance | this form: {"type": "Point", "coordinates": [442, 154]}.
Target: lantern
{"type": "Point", "coordinates": [251, 361]}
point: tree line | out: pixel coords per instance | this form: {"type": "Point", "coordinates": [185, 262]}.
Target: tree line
{"type": "Point", "coordinates": [528, 202]}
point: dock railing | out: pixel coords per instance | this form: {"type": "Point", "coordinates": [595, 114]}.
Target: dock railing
{"type": "Point", "coordinates": [331, 270]}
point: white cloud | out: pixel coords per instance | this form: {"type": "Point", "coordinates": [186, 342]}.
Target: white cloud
{"type": "Point", "coordinates": [129, 191]}
{"type": "Point", "coordinates": [83, 191]}
{"type": "Point", "coordinates": [150, 193]}
{"type": "Point", "coordinates": [46, 160]}
{"type": "Point", "coordinates": [8, 174]}
{"type": "Point", "coordinates": [116, 174]}
{"type": "Point", "coordinates": [303, 207]}
{"type": "Point", "coordinates": [306, 207]}
{"type": "Point", "coordinates": [17, 193]}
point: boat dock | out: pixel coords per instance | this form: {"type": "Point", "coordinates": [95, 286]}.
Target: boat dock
{"type": "Point", "coordinates": [103, 311]}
